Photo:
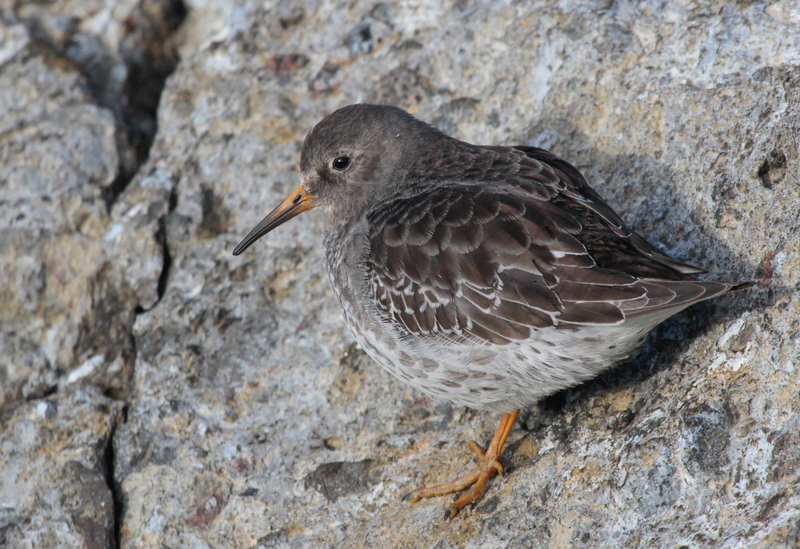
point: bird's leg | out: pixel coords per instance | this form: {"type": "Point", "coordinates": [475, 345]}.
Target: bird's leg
{"type": "Point", "coordinates": [488, 466]}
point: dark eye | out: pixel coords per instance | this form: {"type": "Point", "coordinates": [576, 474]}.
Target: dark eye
{"type": "Point", "coordinates": [340, 163]}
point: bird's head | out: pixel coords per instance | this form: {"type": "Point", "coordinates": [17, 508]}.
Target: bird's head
{"type": "Point", "coordinates": [356, 156]}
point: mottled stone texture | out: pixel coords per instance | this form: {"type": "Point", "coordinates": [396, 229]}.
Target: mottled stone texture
{"type": "Point", "coordinates": [251, 419]}
{"type": "Point", "coordinates": [76, 263]}
{"type": "Point", "coordinates": [54, 480]}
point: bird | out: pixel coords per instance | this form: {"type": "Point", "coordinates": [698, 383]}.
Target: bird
{"type": "Point", "coordinates": [487, 276]}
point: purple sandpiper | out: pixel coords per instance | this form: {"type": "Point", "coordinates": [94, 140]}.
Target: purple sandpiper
{"type": "Point", "coordinates": [486, 276]}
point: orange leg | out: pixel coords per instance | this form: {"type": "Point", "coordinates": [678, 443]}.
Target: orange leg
{"type": "Point", "coordinates": [488, 466]}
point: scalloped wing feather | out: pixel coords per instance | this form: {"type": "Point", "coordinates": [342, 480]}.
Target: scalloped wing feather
{"type": "Point", "coordinates": [518, 242]}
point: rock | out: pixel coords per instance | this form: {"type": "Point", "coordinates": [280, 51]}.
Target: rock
{"type": "Point", "coordinates": [246, 372]}
{"type": "Point", "coordinates": [342, 478]}
{"type": "Point", "coordinates": [58, 154]}
{"type": "Point", "coordinates": [249, 407]}
{"type": "Point", "coordinates": [55, 481]}
{"type": "Point", "coordinates": [67, 308]}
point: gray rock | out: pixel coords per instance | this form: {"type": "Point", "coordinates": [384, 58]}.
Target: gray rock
{"type": "Point", "coordinates": [244, 372]}
{"type": "Point", "coordinates": [58, 154]}
{"type": "Point", "coordinates": [54, 488]}
{"type": "Point", "coordinates": [68, 291]}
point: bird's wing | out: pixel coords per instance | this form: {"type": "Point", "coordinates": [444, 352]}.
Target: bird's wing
{"type": "Point", "coordinates": [574, 186]}
{"type": "Point", "coordinates": [492, 261]}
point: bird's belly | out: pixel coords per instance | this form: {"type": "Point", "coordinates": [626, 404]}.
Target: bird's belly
{"type": "Point", "coordinates": [501, 377]}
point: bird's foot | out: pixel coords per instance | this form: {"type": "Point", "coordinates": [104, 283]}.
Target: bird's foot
{"type": "Point", "coordinates": [476, 480]}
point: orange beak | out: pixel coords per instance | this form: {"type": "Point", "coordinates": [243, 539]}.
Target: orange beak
{"type": "Point", "coordinates": [297, 202]}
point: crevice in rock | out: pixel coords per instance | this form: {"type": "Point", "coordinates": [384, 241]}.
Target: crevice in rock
{"type": "Point", "coordinates": [116, 492]}
{"type": "Point", "coordinates": [128, 82]}
{"type": "Point", "coordinates": [173, 199]}
{"type": "Point", "coordinates": [161, 237]}
{"type": "Point", "coordinates": [46, 392]}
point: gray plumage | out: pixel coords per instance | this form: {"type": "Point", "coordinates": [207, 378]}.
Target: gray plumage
{"type": "Point", "coordinates": [487, 276]}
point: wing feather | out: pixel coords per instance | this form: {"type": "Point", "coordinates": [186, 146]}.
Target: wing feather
{"type": "Point", "coordinates": [518, 242]}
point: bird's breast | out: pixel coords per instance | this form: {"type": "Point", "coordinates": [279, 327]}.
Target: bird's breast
{"type": "Point", "coordinates": [344, 247]}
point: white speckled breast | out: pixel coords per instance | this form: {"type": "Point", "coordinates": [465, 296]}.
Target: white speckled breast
{"type": "Point", "coordinates": [471, 373]}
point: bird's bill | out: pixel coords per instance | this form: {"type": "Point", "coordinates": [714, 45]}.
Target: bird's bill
{"type": "Point", "coordinates": [296, 203]}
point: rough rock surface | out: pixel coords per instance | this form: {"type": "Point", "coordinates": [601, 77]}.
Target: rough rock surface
{"type": "Point", "coordinates": [252, 419]}
{"type": "Point", "coordinates": [55, 475]}
{"type": "Point", "coordinates": [73, 271]}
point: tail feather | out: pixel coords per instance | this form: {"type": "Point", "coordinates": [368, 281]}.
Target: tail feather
{"type": "Point", "coordinates": [672, 296]}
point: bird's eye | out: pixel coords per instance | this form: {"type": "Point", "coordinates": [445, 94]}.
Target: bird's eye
{"type": "Point", "coordinates": [340, 163]}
